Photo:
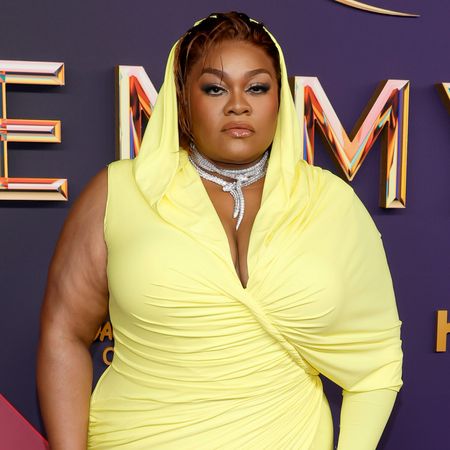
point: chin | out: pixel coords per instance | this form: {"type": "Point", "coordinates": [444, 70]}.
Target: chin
{"type": "Point", "coordinates": [239, 158]}
{"type": "Point", "coordinates": [241, 152]}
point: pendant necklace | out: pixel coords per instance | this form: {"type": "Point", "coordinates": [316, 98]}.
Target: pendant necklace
{"type": "Point", "coordinates": [240, 177]}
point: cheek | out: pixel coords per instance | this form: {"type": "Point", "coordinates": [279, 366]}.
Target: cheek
{"type": "Point", "coordinates": [270, 114]}
{"type": "Point", "coordinates": [203, 116]}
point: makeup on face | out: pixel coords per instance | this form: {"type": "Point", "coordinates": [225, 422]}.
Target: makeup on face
{"type": "Point", "coordinates": [233, 100]}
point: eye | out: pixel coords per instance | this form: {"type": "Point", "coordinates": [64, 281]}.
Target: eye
{"type": "Point", "coordinates": [213, 89]}
{"type": "Point", "coordinates": [260, 88]}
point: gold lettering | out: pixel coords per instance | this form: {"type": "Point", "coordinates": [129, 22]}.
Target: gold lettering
{"type": "Point", "coordinates": [106, 332]}
{"type": "Point", "coordinates": [28, 130]}
{"type": "Point", "coordinates": [105, 355]}
{"type": "Point", "coordinates": [374, 9]}
{"type": "Point", "coordinates": [386, 115]}
{"type": "Point", "coordinates": [444, 92]}
{"type": "Point", "coordinates": [442, 329]}
{"type": "Point", "coordinates": [98, 333]}
{"type": "Point", "coordinates": [136, 97]}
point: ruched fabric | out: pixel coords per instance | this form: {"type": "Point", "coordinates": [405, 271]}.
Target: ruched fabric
{"type": "Point", "coordinates": [201, 362]}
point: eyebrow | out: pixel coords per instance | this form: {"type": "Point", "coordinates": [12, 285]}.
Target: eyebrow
{"type": "Point", "coordinates": [222, 74]}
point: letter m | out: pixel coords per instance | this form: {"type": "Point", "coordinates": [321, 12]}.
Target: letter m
{"type": "Point", "coordinates": [386, 112]}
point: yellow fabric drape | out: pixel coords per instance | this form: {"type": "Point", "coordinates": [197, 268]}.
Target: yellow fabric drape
{"type": "Point", "coordinates": [202, 363]}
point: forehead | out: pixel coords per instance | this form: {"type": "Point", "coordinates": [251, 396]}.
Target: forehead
{"type": "Point", "coordinates": [234, 56]}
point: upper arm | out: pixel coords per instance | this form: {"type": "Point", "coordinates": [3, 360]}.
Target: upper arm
{"type": "Point", "coordinates": [76, 297]}
{"type": "Point", "coordinates": [358, 344]}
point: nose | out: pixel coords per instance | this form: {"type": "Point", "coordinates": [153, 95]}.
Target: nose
{"type": "Point", "coordinates": [237, 104]}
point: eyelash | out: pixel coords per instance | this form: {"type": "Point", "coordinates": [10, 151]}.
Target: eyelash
{"type": "Point", "coordinates": [261, 88]}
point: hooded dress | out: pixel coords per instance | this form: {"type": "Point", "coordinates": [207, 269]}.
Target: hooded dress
{"type": "Point", "coordinates": [200, 362]}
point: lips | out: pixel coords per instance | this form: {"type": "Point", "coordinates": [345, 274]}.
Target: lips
{"type": "Point", "coordinates": [238, 129]}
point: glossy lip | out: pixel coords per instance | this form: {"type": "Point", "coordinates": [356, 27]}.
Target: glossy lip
{"type": "Point", "coordinates": [238, 126]}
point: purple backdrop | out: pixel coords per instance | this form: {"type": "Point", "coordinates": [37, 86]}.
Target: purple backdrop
{"type": "Point", "coordinates": [349, 50]}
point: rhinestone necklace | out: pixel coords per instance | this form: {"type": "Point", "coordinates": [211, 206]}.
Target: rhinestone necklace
{"type": "Point", "coordinates": [240, 177]}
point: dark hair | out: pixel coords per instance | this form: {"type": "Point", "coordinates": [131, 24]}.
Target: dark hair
{"type": "Point", "coordinates": [199, 39]}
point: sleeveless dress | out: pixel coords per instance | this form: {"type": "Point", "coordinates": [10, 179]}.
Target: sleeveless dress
{"type": "Point", "coordinates": [202, 363]}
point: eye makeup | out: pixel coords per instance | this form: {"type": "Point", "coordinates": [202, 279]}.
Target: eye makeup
{"type": "Point", "coordinates": [217, 89]}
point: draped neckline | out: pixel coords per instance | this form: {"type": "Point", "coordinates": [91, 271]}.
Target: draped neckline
{"type": "Point", "coordinates": [187, 195]}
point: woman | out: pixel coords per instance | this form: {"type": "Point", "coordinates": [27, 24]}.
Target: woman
{"type": "Point", "coordinates": [236, 274]}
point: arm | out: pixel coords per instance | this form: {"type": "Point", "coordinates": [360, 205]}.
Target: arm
{"type": "Point", "coordinates": [363, 418]}
{"type": "Point", "coordinates": [75, 304]}
{"type": "Point", "coordinates": [360, 349]}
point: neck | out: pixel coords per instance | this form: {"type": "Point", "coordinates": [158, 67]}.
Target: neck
{"type": "Point", "coordinates": [226, 165]}
{"type": "Point", "coordinates": [233, 165]}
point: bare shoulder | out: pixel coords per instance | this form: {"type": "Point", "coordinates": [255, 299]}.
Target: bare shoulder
{"type": "Point", "coordinates": [83, 229]}
{"type": "Point", "coordinates": [77, 288]}
{"type": "Point", "coordinates": [92, 201]}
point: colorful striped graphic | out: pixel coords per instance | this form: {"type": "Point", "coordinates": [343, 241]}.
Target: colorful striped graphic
{"type": "Point", "coordinates": [387, 111]}
{"type": "Point", "coordinates": [136, 97]}
{"type": "Point", "coordinates": [28, 130]}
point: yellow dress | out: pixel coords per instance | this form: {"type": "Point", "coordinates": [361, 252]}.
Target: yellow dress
{"type": "Point", "coordinates": [202, 363]}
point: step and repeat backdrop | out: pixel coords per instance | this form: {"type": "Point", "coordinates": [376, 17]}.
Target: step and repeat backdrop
{"type": "Point", "coordinates": [371, 84]}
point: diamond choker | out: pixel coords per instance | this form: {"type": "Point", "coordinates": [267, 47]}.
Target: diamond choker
{"type": "Point", "coordinates": [240, 177]}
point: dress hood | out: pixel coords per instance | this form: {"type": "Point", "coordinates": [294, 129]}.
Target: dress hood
{"type": "Point", "coordinates": [159, 156]}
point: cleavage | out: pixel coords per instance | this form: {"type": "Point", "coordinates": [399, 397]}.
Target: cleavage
{"type": "Point", "coordinates": [238, 240]}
